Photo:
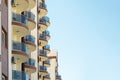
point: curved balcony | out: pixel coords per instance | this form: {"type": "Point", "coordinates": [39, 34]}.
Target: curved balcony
{"type": "Point", "coordinates": [18, 75]}
{"type": "Point", "coordinates": [47, 20]}
{"type": "Point", "coordinates": [42, 40]}
{"type": "Point", "coordinates": [19, 25]}
{"type": "Point", "coordinates": [29, 66]}
{"type": "Point", "coordinates": [47, 33]}
{"type": "Point", "coordinates": [40, 0]}
{"type": "Point", "coordinates": [58, 77]}
{"type": "Point", "coordinates": [42, 9]}
{"type": "Point", "coordinates": [20, 52]}
{"type": "Point", "coordinates": [43, 55]}
{"type": "Point", "coordinates": [43, 70]}
{"type": "Point", "coordinates": [32, 4]}
{"type": "Point", "coordinates": [19, 6]}
{"type": "Point", "coordinates": [47, 48]}
{"type": "Point", "coordinates": [47, 63]}
{"type": "Point", "coordinates": [47, 77]}
{"type": "Point", "coordinates": [29, 40]}
{"type": "Point", "coordinates": [31, 20]}
{"type": "Point", "coordinates": [44, 23]}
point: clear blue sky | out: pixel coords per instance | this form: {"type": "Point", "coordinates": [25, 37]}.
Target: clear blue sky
{"type": "Point", "coordinates": [87, 36]}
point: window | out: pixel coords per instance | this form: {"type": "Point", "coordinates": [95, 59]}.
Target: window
{"type": "Point", "coordinates": [6, 2]}
{"type": "Point", "coordinates": [3, 77]}
{"type": "Point", "coordinates": [3, 38]}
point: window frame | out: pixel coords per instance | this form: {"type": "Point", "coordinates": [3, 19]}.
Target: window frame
{"type": "Point", "coordinates": [5, 38]}
{"type": "Point", "coordinates": [3, 77]}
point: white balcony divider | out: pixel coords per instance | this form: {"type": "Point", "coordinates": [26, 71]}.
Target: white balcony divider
{"type": "Point", "coordinates": [10, 40]}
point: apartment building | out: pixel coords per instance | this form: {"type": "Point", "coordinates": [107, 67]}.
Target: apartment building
{"type": "Point", "coordinates": [53, 69]}
{"type": "Point", "coordinates": [24, 40]}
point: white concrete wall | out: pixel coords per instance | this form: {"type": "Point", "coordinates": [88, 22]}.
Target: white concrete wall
{"type": "Point", "coordinates": [53, 64]}
{"type": "Point", "coordinates": [53, 52]}
{"type": "Point", "coordinates": [34, 76]}
{"type": "Point", "coordinates": [10, 40]}
{"type": "Point", "coordinates": [0, 44]}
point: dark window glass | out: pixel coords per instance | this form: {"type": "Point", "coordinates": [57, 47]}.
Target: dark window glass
{"type": "Point", "coordinates": [3, 38]}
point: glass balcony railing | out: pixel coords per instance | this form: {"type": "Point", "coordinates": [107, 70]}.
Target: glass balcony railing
{"type": "Point", "coordinates": [44, 20]}
{"type": "Point", "coordinates": [42, 52]}
{"type": "Point", "coordinates": [47, 61]}
{"type": "Point", "coordinates": [47, 32]}
{"type": "Point", "coordinates": [43, 5]}
{"type": "Point", "coordinates": [30, 15]}
{"type": "Point", "coordinates": [30, 62]}
{"type": "Point", "coordinates": [19, 46]}
{"type": "Point", "coordinates": [42, 36]}
{"type": "Point", "coordinates": [30, 38]}
{"type": "Point", "coordinates": [58, 76]}
{"type": "Point", "coordinates": [47, 76]}
{"type": "Point", "coordinates": [18, 75]}
{"type": "Point", "coordinates": [43, 68]}
{"type": "Point", "coordinates": [19, 18]}
{"type": "Point", "coordinates": [47, 47]}
{"type": "Point", "coordinates": [47, 19]}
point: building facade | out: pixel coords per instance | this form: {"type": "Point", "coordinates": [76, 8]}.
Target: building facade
{"type": "Point", "coordinates": [24, 52]}
{"type": "Point", "coordinates": [53, 69]}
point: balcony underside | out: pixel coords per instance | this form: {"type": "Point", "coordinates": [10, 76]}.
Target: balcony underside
{"type": "Point", "coordinates": [43, 27]}
{"type": "Point", "coordinates": [43, 12]}
{"type": "Point", "coordinates": [19, 29]}
{"type": "Point", "coordinates": [20, 5]}
{"type": "Point", "coordinates": [48, 23]}
{"type": "Point", "coordinates": [29, 69]}
{"type": "Point", "coordinates": [58, 78]}
{"type": "Point", "coordinates": [20, 56]}
{"type": "Point", "coordinates": [43, 73]}
{"type": "Point", "coordinates": [43, 42]}
{"type": "Point", "coordinates": [46, 78]}
{"type": "Point", "coordinates": [40, 0]}
{"type": "Point", "coordinates": [47, 50]}
{"type": "Point", "coordinates": [31, 24]}
{"type": "Point", "coordinates": [48, 37]}
{"type": "Point", "coordinates": [31, 46]}
{"type": "Point", "coordinates": [47, 64]}
{"type": "Point", "coordinates": [32, 4]}
{"type": "Point", "coordinates": [43, 57]}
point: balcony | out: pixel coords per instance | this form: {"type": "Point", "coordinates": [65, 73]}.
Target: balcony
{"type": "Point", "coordinates": [43, 70]}
{"type": "Point", "coordinates": [31, 20]}
{"type": "Point", "coordinates": [19, 25]}
{"type": "Point", "coordinates": [29, 40]}
{"type": "Point", "coordinates": [42, 9]}
{"type": "Point", "coordinates": [47, 77]}
{"type": "Point", "coordinates": [32, 4]}
{"type": "Point", "coordinates": [19, 52]}
{"type": "Point", "coordinates": [43, 55]}
{"type": "Point", "coordinates": [29, 66]}
{"type": "Point", "coordinates": [47, 33]}
{"type": "Point", "coordinates": [19, 6]}
{"type": "Point", "coordinates": [42, 40]}
{"type": "Point", "coordinates": [58, 77]}
{"type": "Point", "coordinates": [47, 48]}
{"type": "Point", "coordinates": [18, 75]}
{"type": "Point", "coordinates": [40, 0]}
{"type": "Point", "coordinates": [44, 23]}
{"type": "Point", "coordinates": [47, 63]}
{"type": "Point", "coordinates": [47, 20]}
